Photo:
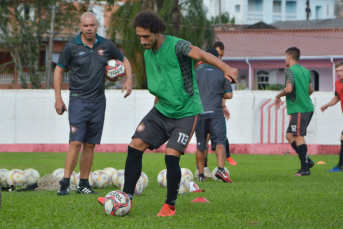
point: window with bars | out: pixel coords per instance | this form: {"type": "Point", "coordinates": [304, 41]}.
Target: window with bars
{"type": "Point", "coordinates": [262, 79]}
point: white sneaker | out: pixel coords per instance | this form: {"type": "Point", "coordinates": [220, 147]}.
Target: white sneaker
{"type": "Point", "coordinates": [207, 173]}
{"type": "Point", "coordinates": [196, 175]}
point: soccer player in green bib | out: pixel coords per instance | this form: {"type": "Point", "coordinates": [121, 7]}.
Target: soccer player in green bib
{"type": "Point", "coordinates": [298, 88]}
{"type": "Point", "coordinates": [171, 79]}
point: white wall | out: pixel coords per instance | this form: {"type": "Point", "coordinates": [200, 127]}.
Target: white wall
{"type": "Point", "coordinates": [28, 116]}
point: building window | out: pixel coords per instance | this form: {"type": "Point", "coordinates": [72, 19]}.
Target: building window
{"type": "Point", "coordinates": [291, 7]}
{"type": "Point", "coordinates": [262, 79]}
{"type": "Point", "coordinates": [237, 8]}
{"type": "Point", "coordinates": [255, 5]}
{"type": "Point", "coordinates": [277, 6]}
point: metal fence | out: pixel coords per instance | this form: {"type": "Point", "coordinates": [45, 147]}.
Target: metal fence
{"type": "Point", "coordinates": [9, 78]}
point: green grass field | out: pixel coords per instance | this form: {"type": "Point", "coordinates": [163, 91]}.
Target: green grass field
{"type": "Point", "coordinates": [264, 194]}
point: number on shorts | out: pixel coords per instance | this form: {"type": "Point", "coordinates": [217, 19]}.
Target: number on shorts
{"type": "Point", "coordinates": [183, 138]}
{"type": "Point", "coordinates": [294, 128]}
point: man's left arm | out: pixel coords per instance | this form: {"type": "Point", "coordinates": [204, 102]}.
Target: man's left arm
{"type": "Point", "coordinates": [198, 54]}
{"type": "Point", "coordinates": [116, 54]}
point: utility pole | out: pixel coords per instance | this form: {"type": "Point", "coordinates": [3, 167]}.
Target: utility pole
{"type": "Point", "coordinates": [308, 10]}
{"type": "Point", "coordinates": [51, 41]}
{"type": "Point", "coordinates": [220, 12]}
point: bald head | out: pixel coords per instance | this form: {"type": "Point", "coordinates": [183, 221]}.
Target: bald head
{"type": "Point", "coordinates": [88, 15]}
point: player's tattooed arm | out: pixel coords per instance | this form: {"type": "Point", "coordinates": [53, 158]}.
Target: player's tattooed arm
{"type": "Point", "coordinates": [230, 73]}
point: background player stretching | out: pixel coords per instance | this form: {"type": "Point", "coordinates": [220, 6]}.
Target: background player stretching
{"type": "Point", "coordinates": [338, 97]}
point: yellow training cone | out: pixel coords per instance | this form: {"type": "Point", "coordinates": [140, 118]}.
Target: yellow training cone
{"type": "Point", "coordinates": [321, 163]}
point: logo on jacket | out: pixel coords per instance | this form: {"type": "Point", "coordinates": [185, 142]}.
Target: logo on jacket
{"type": "Point", "coordinates": [101, 52]}
{"type": "Point", "coordinates": [81, 53]}
{"type": "Point", "coordinates": [159, 67]}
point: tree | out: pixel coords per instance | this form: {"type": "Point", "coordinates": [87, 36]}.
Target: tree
{"type": "Point", "coordinates": [185, 19]}
{"type": "Point", "coordinates": [225, 18]}
{"type": "Point", "coordinates": [24, 25]}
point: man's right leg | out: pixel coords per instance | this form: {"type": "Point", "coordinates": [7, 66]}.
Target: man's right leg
{"type": "Point", "coordinates": [221, 174]}
{"type": "Point", "coordinates": [133, 166]}
{"type": "Point", "coordinates": [69, 166]}
{"type": "Point", "coordinates": [338, 168]}
{"type": "Point", "coordinates": [200, 158]}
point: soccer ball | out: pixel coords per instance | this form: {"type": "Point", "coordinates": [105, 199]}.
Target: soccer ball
{"type": "Point", "coordinates": [118, 177]}
{"type": "Point", "coordinates": [101, 179]}
{"type": "Point", "coordinates": [115, 70]}
{"type": "Point", "coordinates": [110, 171]}
{"type": "Point", "coordinates": [16, 177]}
{"type": "Point", "coordinates": [138, 189]}
{"type": "Point", "coordinates": [187, 174]}
{"type": "Point", "coordinates": [3, 177]}
{"type": "Point", "coordinates": [214, 173]}
{"type": "Point", "coordinates": [184, 186]}
{"type": "Point", "coordinates": [90, 179]}
{"type": "Point", "coordinates": [162, 178]}
{"type": "Point", "coordinates": [58, 173]}
{"type": "Point", "coordinates": [32, 176]}
{"type": "Point", "coordinates": [73, 177]}
{"type": "Point", "coordinates": [145, 180]}
{"type": "Point", "coordinates": [117, 203]}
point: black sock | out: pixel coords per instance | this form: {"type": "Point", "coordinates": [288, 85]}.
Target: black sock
{"type": "Point", "coordinates": [133, 169]}
{"type": "Point", "coordinates": [221, 169]}
{"type": "Point", "coordinates": [340, 162]}
{"type": "Point", "coordinates": [173, 178]}
{"type": "Point", "coordinates": [83, 182]}
{"type": "Point", "coordinates": [294, 146]}
{"type": "Point", "coordinates": [302, 151]}
{"type": "Point", "coordinates": [66, 180]}
{"type": "Point", "coordinates": [227, 148]}
{"type": "Point", "coordinates": [201, 175]}
{"type": "Point", "coordinates": [205, 165]}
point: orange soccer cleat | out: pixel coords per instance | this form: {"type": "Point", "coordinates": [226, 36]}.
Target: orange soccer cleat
{"type": "Point", "coordinates": [167, 210]}
{"type": "Point", "coordinates": [231, 161]}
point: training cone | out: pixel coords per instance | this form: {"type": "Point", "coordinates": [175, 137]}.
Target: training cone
{"type": "Point", "coordinates": [321, 163]}
{"type": "Point", "coordinates": [200, 200]}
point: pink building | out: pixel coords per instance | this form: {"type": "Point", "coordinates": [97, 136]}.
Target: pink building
{"type": "Point", "coordinates": [259, 54]}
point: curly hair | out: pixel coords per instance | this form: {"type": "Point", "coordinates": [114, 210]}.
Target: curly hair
{"type": "Point", "coordinates": [149, 20]}
{"type": "Point", "coordinates": [219, 44]}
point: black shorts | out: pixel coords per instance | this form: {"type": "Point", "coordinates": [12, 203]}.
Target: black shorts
{"type": "Point", "coordinates": [299, 123]}
{"type": "Point", "coordinates": [217, 130]}
{"type": "Point", "coordinates": [156, 128]}
{"type": "Point", "coordinates": [86, 121]}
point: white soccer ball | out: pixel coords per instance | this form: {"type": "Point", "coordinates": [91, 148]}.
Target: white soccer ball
{"type": "Point", "coordinates": [162, 178]}
{"type": "Point", "coordinates": [214, 173]}
{"type": "Point", "coordinates": [145, 180]}
{"type": "Point", "coordinates": [101, 179]}
{"type": "Point", "coordinates": [90, 179]}
{"type": "Point", "coordinates": [187, 174]}
{"type": "Point", "coordinates": [110, 171]}
{"type": "Point", "coordinates": [117, 203]}
{"type": "Point", "coordinates": [118, 177]}
{"type": "Point", "coordinates": [58, 173]}
{"type": "Point", "coordinates": [3, 177]}
{"type": "Point", "coordinates": [32, 176]}
{"type": "Point", "coordinates": [73, 177]}
{"type": "Point", "coordinates": [138, 189]}
{"type": "Point", "coordinates": [16, 177]}
{"type": "Point", "coordinates": [184, 186]}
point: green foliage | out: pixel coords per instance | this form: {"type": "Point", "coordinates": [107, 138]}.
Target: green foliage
{"type": "Point", "coordinates": [264, 194]}
{"type": "Point", "coordinates": [225, 18]}
{"type": "Point", "coordinates": [272, 87]}
{"type": "Point", "coordinates": [184, 19]}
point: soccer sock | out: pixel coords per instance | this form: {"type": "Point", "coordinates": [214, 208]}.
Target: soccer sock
{"type": "Point", "coordinates": [205, 165]}
{"type": "Point", "coordinates": [133, 169]}
{"type": "Point", "coordinates": [83, 182]}
{"type": "Point", "coordinates": [67, 180]}
{"type": "Point", "coordinates": [173, 178]}
{"type": "Point", "coordinates": [294, 146]}
{"type": "Point", "coordinates": [201, 175]}
{"type": "Point", "coordinates": [302, 151]}
{"type": "Point", "coordinates": [227, 148]}
{"type": "Point", "coordinates": [221, 169]}
{"type": "Point", "coordinates": [340, 162]}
